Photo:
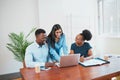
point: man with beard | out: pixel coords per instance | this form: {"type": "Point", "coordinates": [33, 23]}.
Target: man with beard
{"type": "Point", "coordinates": [37, 52]}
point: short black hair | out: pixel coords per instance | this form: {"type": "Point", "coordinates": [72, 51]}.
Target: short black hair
{"type": "Point", "coordinates": [86, 35]}
{"type": "Point", "coordinates": [39, 31]}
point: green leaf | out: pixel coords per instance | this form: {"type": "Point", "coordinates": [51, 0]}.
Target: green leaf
{"type": "Point", "coordinates": [30, 32]}
{"type": "Point", "coordinates": [18, 44]}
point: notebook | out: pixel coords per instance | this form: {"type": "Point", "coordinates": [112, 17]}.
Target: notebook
{"type": "Point", "coordinates": [93, 62]}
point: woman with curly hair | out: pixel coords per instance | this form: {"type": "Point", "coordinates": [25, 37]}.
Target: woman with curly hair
{"type": "Point", "coordinates": [82, 47]}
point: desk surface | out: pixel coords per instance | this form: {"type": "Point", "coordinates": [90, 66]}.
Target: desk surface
{"type": "Point", "coordinates": [103, 72]}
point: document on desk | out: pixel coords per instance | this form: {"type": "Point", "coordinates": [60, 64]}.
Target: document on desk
{"type": "Point", "coordinates": [93, 62]}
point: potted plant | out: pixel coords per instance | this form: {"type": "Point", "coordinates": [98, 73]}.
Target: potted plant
{"type": "Point", "coordinates": [18, 45]}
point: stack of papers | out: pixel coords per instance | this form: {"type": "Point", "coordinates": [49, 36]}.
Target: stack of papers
{"type": "Point", "coordinates": [93, 62]}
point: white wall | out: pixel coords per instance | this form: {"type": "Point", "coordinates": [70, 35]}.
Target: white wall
{"type": "Point", "coordinates": [108, 45]}
{"type": "Point", "coordinates": [72, 15]}
{"type": "Point", "coordinates": [15, 16]}
{"type": "Point", "coordinates": [50, 13]}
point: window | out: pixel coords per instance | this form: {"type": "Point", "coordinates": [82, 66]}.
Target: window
{"type": "Point", "coordinates": [109, 17]}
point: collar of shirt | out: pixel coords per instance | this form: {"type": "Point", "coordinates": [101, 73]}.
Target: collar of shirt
{"type": "Point", "coordinates": [38, 46]}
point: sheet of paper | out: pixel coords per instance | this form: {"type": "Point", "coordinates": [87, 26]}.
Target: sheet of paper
{"type": "Point", "coordinates": [92, 62]}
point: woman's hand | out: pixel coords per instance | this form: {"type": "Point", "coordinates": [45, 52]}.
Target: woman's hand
{"type": "Point", "coordinates": [82, 59]}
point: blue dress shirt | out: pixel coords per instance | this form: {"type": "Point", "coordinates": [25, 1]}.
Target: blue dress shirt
{"type": "Point", "coordinates": [60, 48]}
{"type": "Point", "coordinates": [36, 54]}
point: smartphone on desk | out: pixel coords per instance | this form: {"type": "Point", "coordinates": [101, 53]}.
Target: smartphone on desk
{"type": "Point", "coordinates": [44, 68]}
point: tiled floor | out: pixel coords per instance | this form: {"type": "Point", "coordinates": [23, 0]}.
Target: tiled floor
{"type": "Point", "coordinates": [12, 76]}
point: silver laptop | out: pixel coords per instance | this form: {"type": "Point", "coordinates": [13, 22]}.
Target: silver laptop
{"type": "Point", "coordinates": [69, 60]}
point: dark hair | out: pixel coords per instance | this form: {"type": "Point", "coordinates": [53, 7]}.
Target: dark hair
{"type": "Point", "coordinates": [39, 31]}
{"type": "Point", "coordinates": [51, 36]}
{"type": "Point", "coordinates": [86, 35]}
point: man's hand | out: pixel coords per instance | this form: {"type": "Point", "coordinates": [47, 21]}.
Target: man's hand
{"type": "Point", "coordinates": [49, 64]}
